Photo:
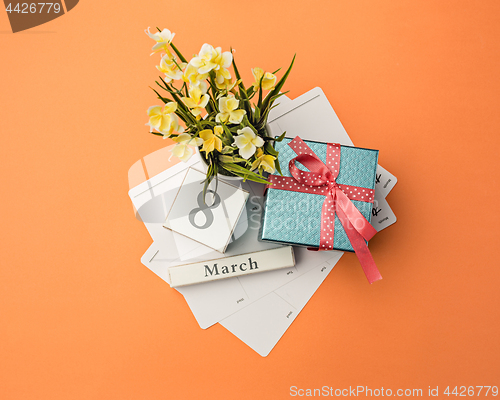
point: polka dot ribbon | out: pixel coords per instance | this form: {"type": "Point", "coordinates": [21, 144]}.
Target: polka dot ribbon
{"type": "Point", "coordinates": [321, 179]}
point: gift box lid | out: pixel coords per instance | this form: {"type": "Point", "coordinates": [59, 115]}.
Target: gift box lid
{"type": "Point", "coordinates": [295, 217]}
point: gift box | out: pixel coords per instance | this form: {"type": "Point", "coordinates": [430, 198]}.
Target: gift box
{"type": "Point", "coordinates": [321, 209]}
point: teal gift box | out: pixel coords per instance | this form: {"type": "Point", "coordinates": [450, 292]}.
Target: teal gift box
{"type": "Point", "coordinates": [295, 218]}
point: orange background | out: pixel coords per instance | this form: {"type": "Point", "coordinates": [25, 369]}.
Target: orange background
{"type": "Point", "coordinates": [82, 318]}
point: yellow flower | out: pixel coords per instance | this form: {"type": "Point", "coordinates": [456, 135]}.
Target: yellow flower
{"type": "Point", "coordinates": [228, 110]}
{"type": "Point", "coordinates": [264, 161]}
{"type": "Point", "coordinates": [192, 76]}
{"type": "Point", "coordinates": [268, 79]}
{"type": "Point", "coordinates": [247, 142]}
{"type": "Point", "coordinates": [170, 68]}
{"type": "Point", "coordinates": [226, 85]}
{"type": "Point", "coordinates": [213, 59]}
{"type": "Point", "coordinates": [163, 39]}
{"type": "Point", "coordinates": [211, 141]}
{"type": "Point", "coordinates": [164, 120]}
{"type": "Point", "coordinates": [182, 149]}
{"type": "Point", "coordinates": [222, 75]}
{"type": "Point", "coordinates": [197, 99]}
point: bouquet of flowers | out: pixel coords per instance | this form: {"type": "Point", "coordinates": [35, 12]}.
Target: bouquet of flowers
{"type": "Point", "coordinates": [216, 110]}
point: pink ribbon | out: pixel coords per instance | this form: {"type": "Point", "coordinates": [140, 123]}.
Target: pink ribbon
{"type": "Point", "coordinates": [322, 180]}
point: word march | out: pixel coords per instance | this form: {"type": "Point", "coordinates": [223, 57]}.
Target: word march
{"type": "Point", "coordinates": [225, 268]}
{"type": "Point", "coordinates": [232, 266]}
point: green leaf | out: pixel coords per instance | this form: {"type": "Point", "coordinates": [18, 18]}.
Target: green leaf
{"type": "Point", "coordinates": [270, 149]}
{"type": "Point", "coordinates": [209, 108]}
{"type": "Point", "coordinates": [244, 173]}
{"type": "Point", "coordinates": [241, 160]}
{"type": "Point", "coordinates": [279, 95]}
{"type": "Point", "coordinates": [177, 65]}
{"type": "Point", "coordinates": [263, 118]}
{"type": "Point", "coordinates": [245, 122]}
{"type": "Point", "coordinates": [237, 73]}
{"type": "Point", "coordinates": [228, 133]}
{"type": "Point", "coordinates": [259, 104]}
{"type": "Point", "coordinates": [243, 92]}
{"type": "Point", "coordinates": [257, 113]}
{"type": "Point", "coordinates": [214, 106]}
{"type": "Point", "coordinates": [233, 159]}
{"type": "Point", "coordinates": [178, 53]}
{"type": "Point", "coordinates": [209, 177]}
{"type": "Point", "coordinates": [212, 172]}
{"type": "Point", "coordinates": [169, 88]}
{"type": "Point", "coordinates": [246, 105]}
{"type": "Point", "coordinates": [251, 96]}
{"type": "Point", "coordinates": [160, 85]}
{"type": "Point", "coordinates": [277, 165]}
{"type": "Point", "coordinates": [280, 137]}
{"type": "Point", "coordinates": [180, 104]}
{"type": "Point", "coordinates": [164, 99]}
{"type": "Point", "coordinates": [264, 115]}
{"type": "Point", "coordinates": [278, 86]}
{"type": "Point", "coordinates": [205, 123]}
{"type": "Point", "coordinates": [185, 87]}
{"type": "Point", "coordinates": [226, 159]}
{"type": "Point", "coordinates": [228, 149]}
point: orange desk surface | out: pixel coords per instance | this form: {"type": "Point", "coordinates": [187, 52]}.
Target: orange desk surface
{"type": "Point", "coordinates": [81, 318]}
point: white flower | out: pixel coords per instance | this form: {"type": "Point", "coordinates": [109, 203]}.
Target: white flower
{"type": "Point", "coordinates": [264, 161]}
{"type": "Point", "coordinates": [170, 68]}
{"type": "Point", "coordinates": [213, 59]}
{"type": "Point", "coordinates": [192, 76]}
{"type": "Point", "coordinates": [247, 142]}
{"type": "Point", "coordinates": [197, 100]}
{"type": "Point", "coordinates": [268, 79]}
{"type": "Point", "coordinates": [228, 110]}
{"type": "Point", "coordinates": [226, 85]}
{"type": "Point", "coordinates": [182, 149]}
{"type": "Point", "coordinates": [164, 120]}
{"type": "Point", "coordinates": [162, 38]}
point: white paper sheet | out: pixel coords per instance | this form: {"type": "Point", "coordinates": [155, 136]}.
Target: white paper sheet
{"type": "Point", "coordinates": [262, 324]}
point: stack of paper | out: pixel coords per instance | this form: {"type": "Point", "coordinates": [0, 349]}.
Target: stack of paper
{"type": "Point", "coordinates": [257, 308]}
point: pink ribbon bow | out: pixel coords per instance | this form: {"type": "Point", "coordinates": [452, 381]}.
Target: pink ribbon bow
{"type": "Point", "coordinates": [322, 180]}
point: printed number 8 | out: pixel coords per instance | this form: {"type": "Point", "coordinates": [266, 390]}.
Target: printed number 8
{"type": "Point", "coordinates": [205, 209]}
